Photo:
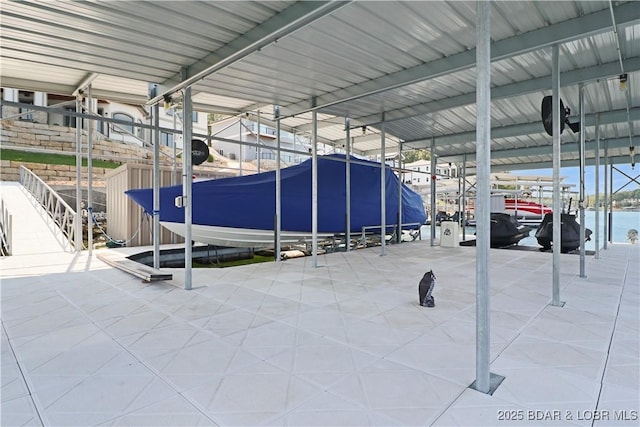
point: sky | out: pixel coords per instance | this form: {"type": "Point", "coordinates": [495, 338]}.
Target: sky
{"type": "Point", "coordinates": [572, 175]}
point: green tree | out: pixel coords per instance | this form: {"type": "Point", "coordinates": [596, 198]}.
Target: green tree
{"type": "Point", "coordinates": [215, 117]}
{"type": "Point", "coordinates": [415, 155]}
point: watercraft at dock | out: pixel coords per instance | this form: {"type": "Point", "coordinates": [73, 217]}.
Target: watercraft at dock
{"type": "Point", "coordinates": [506, 230]}
{"type": "Point", "coordinates": [526, 211]}
{"type": "Point", "coordinates": [569, 233]}
{"type": "Point", "coordinates": [239, 211]}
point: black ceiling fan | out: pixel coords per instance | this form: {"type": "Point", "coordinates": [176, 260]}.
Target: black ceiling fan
{"type": "Point", "coordinates": [547, 116]}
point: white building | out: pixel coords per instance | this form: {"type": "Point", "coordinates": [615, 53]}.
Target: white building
{"type": "Point", "coordinates": [245, 130]}
{"type": "Point", "coordinates": [420, 173]}
{"type": "Point", "coordinates": [125, 132]}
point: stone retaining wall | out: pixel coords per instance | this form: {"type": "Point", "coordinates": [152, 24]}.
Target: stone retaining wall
{"type": "Point", "coordinates": [63, 139]}
{"type": "Point", "coordinates": [31, 136]}
{"type": "Point", "coordinates": [9, 171]}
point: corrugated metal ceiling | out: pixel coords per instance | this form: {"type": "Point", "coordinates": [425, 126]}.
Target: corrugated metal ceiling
{"type": "Point", "coordinates": [409, 62]}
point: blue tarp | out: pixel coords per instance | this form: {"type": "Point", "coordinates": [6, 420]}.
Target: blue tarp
{"type": "Point", "coordinates": [249, 201]}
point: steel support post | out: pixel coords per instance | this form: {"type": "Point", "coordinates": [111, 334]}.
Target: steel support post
{"type": "Point", "coordinates": [606, 195]}
{"type": "Point", "coordinates": [464, 197]}
{"type": "Point", "coordinates": [155, 140]}
{"type": "Point", "coordinates": [187, 183]}
{"type": "Point", "coordinates": [557, 202]}
{"type": "Point", "coordinates": [174, 170]}
{"type": "Point", "coordinates": [597, 177]}
{"type": "Point", "coordinates": [314, 184]}
{"type": "Point", "coordinates": [348, 184]}
{"type": "Point", "coordinates": [610, 230]}
{"type": "Point", "coordinates": [258, 143]}
{"type": "Point", "coordinates": [278, 218]}
{"type": "Point", "coordinates": [240, 148]}
{"type": "Point", "coordinates": [483, 230]}
{"type": "Point", "coordinates": [78, 237]}
{"type": "Point", "coordinates": [582, 165]}
{"type": "Point", "coordinates": [174, 180]}
{"type": "Point", "coordinates": [432, 181]}
{"type": "Point", "coordinates": [89, 100]}
{"type": "Point", "coordinates": [400, 176]}
{"type": "Point", "coordinates": [383, 193]}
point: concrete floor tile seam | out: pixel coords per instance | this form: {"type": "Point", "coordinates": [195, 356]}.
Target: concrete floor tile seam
{"type": "Point", "coordinates": [22, 377]}
{"type": "Point", "coordinates": [202, 411]}
{"type": "Point", "coordinates": [359, 360]}
{"type": "Point", "coordinates": [446, 398]}
{"type": "Point", "coordinates": [168, 313]}
{"type": "Point", "coordinates": [144, 363]}
{"type": "Point", "coordinates": [607, 359]}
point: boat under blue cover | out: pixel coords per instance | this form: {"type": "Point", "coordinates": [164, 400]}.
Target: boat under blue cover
{"type": "Point", "coordinates": [247, 203]}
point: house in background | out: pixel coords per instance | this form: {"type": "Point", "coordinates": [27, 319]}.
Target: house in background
{"type": "Point", "coordinates": [420, 173]}
{"type": "Point", "coordinates": [246, 130]}
{"type": "Point", "coordinates": [124, 132]}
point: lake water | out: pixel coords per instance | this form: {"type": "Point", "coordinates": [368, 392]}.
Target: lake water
{"type": "Point", "coordinates": [622, 221]}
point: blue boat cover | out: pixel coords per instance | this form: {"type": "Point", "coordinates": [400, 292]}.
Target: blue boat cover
{"type": "Point", "coordinates": [249, 201]}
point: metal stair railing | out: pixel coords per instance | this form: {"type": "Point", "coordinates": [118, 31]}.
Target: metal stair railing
{"type": "Point", "coordinates": [5, 230]}
{"type": "Point", "coordinates": [60, 212]}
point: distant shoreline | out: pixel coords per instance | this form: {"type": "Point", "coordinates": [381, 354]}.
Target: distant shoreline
{"type": "Point", "coordinates": [617, 210]}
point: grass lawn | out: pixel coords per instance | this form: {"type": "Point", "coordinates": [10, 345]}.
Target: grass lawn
{"type": "Point", "coordinates": [255, 259]}
{"type": "Point", "coordinates": [52, 159]}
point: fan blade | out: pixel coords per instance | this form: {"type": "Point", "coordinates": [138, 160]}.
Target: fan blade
{"type": "Point", "coordinates": [547, 114]}
{"type": "Point", "coordinates": [575, 127]}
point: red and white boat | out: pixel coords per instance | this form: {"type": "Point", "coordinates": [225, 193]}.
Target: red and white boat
{"type": "Point", "coordinates": [526, 211]}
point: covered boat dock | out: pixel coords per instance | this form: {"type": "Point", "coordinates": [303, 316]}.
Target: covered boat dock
{"type": "Point", "coordinates": [463, 80]}
{"type": "Point", "coordinates": [345, 343]}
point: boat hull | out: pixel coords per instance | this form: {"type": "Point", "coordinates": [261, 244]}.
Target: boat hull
{"type": "Point", "coordinates": [239, 237]}
{"type": "Point", "coordinates": [240, 211]}
{"type": "Point", "coordinates": [526, 212]}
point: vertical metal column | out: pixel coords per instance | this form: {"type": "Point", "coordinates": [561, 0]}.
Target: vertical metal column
{"type": "Point", "coordinates": [383, 193]}
{"type": "Point", "coordinates": [399, 236]}
{"type": "Point", "coordinates": [597, 176]}
{"type": "Point", "coordinates": [464, 197]}
{"type": "Point", "coordinates": [314, 184]}
{"type": "Point", "coordinates": [240, 148]}
{"type": "Point", "coordinates": [610, 228]}
{"type": "Point", "coordinates": [278, 218]}
{"type": "Point", "coordinates": [174, 171]}
{"type": "Point", "coordinates": [187, 183]}
{"type": "Point", "coordinates": [175, 153]}
{"type": "Point", "coordinates": [555, 79]}
{"type": "Point", "coordinates": [78, 224]}
{"type": "Point", "coordinates": [258, 142]}
{"type": "Point", "coordinates": [483, 162]}
{"type": "Point", "coordinates": [348, 185]}
{"type": "Point", "coordinates": [156, 177]}
{"type": "Point", "coordinates": [606, 194]}
{"type": "Point", "coordinates": [432, 180]}
{"type": "Point", "coordinates": [89, 100]}
{"type": "Point", "coordinates": [582, 165]}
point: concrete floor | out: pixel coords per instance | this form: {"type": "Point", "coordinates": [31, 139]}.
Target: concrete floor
{"type": "Point", "coordinates": [343, 344]}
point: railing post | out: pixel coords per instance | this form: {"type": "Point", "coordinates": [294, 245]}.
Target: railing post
{"type": "Point", "coordinates": [50, 201]}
